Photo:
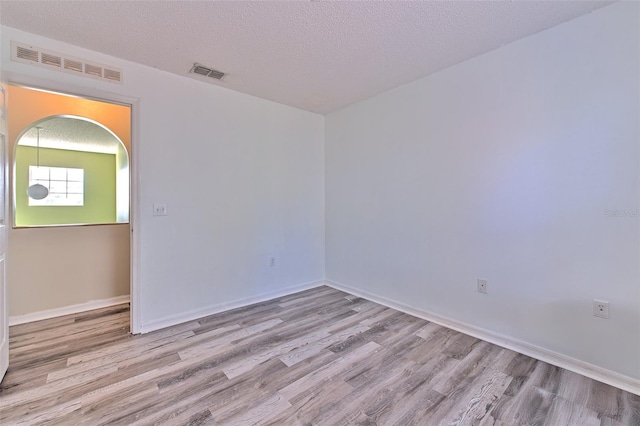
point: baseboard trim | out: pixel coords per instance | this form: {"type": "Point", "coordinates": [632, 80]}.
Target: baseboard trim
{"type": "Point", "coordinates": [68, 310]}
{"type": "Point", "coordinates": [194, 314]}
{"type": "Point", "coordinates": [600, 374]}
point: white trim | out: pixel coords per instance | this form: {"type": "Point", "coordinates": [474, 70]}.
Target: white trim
{"type": "Point", "coordinates": [170, 320]}
{"type": "Point", "coordinates": [595, 372]}
{"type": "Point", "coordinates": [67, 310]}
{"type": "Point", "coordinates": [135, 220]}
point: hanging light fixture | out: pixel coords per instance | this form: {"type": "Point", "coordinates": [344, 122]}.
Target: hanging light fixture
{"type": "Point", "coordinates": [38, 191]}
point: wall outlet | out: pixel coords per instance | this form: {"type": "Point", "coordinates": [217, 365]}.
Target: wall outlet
{"type": "Point", "coordinates": [601, 308]}
{"type": "Point", "coordinates": [482, 286]}
{"type": "Point", "coordinates": [160, 210]}
{"type": "Point", "coordinates": [272, 262]}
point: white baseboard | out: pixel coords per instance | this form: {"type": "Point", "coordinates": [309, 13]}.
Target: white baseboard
{"type": "Point", "coordinates": [67, 310]}
{"type": "Point", "coordinates": [194, 314]}
{"type": "Point", "coordinates": [600, 374]}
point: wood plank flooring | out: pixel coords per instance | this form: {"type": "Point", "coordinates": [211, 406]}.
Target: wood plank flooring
{"type": "Point", "coordinates": [319, 357]}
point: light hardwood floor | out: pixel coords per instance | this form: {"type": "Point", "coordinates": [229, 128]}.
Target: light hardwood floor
{"type": "Point", "coordinates": [319, 357]}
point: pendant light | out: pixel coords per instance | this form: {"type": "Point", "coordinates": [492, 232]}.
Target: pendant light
{"type": "Point", "coordinates": [38, 191]}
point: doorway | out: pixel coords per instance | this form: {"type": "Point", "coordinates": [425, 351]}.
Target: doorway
{"type": "Point", "coordinates": [63, 267]}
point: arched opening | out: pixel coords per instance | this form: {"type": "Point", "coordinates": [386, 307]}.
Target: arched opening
{"type": "Point", "coordinates": [77, 267]}
{"type": "Point", "coordinates": [83, 165]}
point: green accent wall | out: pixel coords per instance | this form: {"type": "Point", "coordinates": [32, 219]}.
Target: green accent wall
{"type": "Point", "coordinates": [99, 187]}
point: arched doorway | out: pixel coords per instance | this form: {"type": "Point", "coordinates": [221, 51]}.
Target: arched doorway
{"type": "Point", "coordinates": [83, 165]}
{"type": "Point", "coordinates": [60, 268]}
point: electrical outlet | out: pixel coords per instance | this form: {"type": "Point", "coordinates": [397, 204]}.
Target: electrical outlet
{"type": "Point", "coordinates": [272, 262]}
{"type": "Point", "coordinates": [482, 286]}
{"type": "Point", "coordinates": [601, 308]}
{"type": "Point", "coordinates": [160, 210]}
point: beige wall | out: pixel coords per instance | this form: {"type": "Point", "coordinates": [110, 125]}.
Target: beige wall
{"type": "Point", "coordinates": [51, 268]}
{"type": "Point", "coordinates": [56, 267]}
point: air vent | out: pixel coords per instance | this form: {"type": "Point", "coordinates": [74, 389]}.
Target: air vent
{"type": "Point", "coordinates": [206, 71]}
{"type": "Point", "coordinates": [112, 74]}
{"type": "Point", "coordinates": [27, 54]}
{"type": "Point", "coordinates": [93, 70]}
{"type": "Point", "coordinates": [53, 60]}
{"type": "Point", "coordinates": [71, 65]}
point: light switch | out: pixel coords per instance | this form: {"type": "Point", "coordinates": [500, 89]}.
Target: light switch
{"type": "Point", "coordinates": [160, 210]}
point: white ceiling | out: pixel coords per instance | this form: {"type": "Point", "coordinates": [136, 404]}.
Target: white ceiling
{"type": "Point", "coordinates": [318, 56]}
{"type": "Point", "coordinates": [72, 134]}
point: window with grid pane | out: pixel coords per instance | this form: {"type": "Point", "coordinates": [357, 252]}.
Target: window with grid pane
{"type": "Point", "coordinates": [66, 185]}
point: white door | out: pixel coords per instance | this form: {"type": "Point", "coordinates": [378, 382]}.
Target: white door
{"type": "Point", "coordinates": [4, 313]}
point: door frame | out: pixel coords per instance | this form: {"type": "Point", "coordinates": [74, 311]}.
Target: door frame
{"type": "Point", "coordinates": [134, 210]}
{"type": "Point", "coordinates": [4, 235]}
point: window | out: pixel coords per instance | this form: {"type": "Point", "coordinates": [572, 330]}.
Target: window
{"type": "Point", "coordinates": [66, 186]}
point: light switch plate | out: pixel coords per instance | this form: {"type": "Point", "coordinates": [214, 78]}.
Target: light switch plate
{"type": "Point", "coordinates": [160, 210]}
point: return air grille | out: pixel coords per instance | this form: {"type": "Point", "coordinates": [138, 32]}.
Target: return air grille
{"type": "Point", "coordinates": [112, 74]}
{"type": "Point", "coordinates": [52, 60]}
{"type": "Point", "coordinates": [70, 64]}
{"type": "Point", "coordinates": [206, 71]}
{"type": "Point", "coordinates": [27, 54]}
{"type": "Point", "coordinates": [93, 70]}
{"type": "Point", "coordinates": [35, 56]}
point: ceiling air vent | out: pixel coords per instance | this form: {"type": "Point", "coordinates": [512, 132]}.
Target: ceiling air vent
{"type": "Point", "coordinates": [52, 60]}
{"type": "Point", "coordinates": [206, 71]}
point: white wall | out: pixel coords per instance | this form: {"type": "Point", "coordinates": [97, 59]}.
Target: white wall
{"type": "Point", "coordinates": [243, 179]}
{"type": "Point", "coordinates": [502, 168]}
{"type": "Point", "coordinates": [123, 184]}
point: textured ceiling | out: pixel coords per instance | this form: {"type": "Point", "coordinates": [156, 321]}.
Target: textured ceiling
{"type": "Point", "coordinates": [318, 56]}
{"type": "Point", "coordinates": [72, 134]}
